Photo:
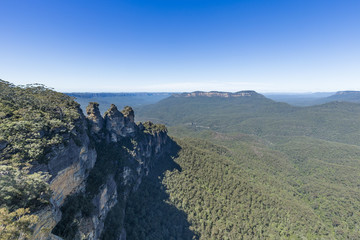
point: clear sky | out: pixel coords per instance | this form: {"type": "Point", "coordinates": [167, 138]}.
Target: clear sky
{"type": "Point", "coordinates": [181, 45]}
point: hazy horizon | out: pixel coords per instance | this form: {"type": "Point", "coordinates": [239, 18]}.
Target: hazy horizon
{"type": "Point", "coordinates": [214, 90]}
{"type": "Point", "coordinates": [284, 93]}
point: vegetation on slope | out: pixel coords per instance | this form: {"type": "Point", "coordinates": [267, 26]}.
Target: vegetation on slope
{"type": "Point", "coordinates": [253, 168]}
{"type": "Point", "coordinates": [306, 157]}
{"type": "Point", "coordinates": [336, 121]}
{"type": "Point", "coordinates": [242, 188]}
{"type": "Point", "coordinates": [221, 201]}
{"type": "Point", "coordinates": [33, 119]}
{"type": "Point", "coordinates": [148, 214]}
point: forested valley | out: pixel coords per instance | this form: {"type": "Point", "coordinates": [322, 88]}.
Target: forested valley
{"type": "Point", "coordinates": [241, 167]}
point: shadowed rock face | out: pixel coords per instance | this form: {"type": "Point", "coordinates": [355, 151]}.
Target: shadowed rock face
{"type": "Point", "coordinates": [118, 128]}
{"type": "Point", "coordinates": [71, 165]}
{"type": "Point", "coordinates": [3, 144]}
{"type": "Point", "coordinates": [107, 197]}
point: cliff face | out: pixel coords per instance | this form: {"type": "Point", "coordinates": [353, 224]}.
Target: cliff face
{"type": "Point", "coordinates": [96, 171]}
{"type": "Point", "coordinates": [68, 165]}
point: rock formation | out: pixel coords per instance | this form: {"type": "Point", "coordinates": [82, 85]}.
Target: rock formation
{"type": "Point", "coordinates": [95, 119]}
{"type": "Point", "coordinates": [99, 168]}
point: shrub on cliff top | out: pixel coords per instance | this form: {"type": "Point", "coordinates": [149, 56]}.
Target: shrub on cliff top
{"type": "Point", "coordinates": [154, 128]}
{"type": "Point", "coordinates": [32, 120]}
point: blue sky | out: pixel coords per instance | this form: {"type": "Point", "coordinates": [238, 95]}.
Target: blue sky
{"type": "Point", "coordinates": [187, 45]}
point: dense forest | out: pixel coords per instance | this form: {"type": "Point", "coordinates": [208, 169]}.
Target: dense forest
{"type": "Point", "coordinates": [300, 164]}
{"type": "Point", "coordinates": [246, 190]}
{"type": "Point", "coordinates": [239, 168]}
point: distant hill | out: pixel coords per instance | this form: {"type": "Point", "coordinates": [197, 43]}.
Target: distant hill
{"type": "Point", "coordinates": [219, 94]}
{"type": "Point", "coordinates": [210, 111]}
{"type": "Point", "coordinates": [344, 96]}
{"type": "Point", "coordinates": [335, 121]}
{"type": "Point", "coordinates": [299, 99]}
{"type": "Point", "coordinates": [311, 99]}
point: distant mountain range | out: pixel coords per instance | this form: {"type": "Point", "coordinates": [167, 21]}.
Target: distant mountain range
{"type": "Point", "coordinates": [117, 94]}
{"type": "Point", "coordinates": [309, 99]}
{"type": "Point", "coordinates": [258, 115]}
{"type": "Point", "coordinates": [219, 94]}
{"type": "Point", "coordinates": [345, 96]}
{"type": "Point", "coordinates": [143, 98]}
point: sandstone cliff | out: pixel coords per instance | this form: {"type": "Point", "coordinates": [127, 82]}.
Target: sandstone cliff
{"type": "Point", "coordinates": [68, 165]}
{"type": "Point", "coordinates": [96, 171]}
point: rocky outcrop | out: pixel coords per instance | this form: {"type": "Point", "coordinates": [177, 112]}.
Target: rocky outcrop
{"type": "Point", "coordinates": [114, 123]}
{"type": "Point", "coordinates": [96, 121]}
{"type": "Point", "coordinates": [219, 94]}
{"type": "Point", "coordinates": [128, 114]}
{"type": "Point", "coordinates": [131, 152]}
{"type": "Point", "coordinates": [143, 146]}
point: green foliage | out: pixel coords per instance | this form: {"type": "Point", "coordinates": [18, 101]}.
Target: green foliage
{"type": "Point", "coordinates": [148, 215]}
{"type": "Point", "coordinates": [224, 201]}
{"type": "Point", "coordinates": [251, 169]}
{"type": "Point", "coordinates": [327, 179]}
{"type": "Point", "coordinates": [19, 189]}
{"type": "Point", "coordinates": [219, 192]}
{"type": "Point", "coordinates": [127, 111]}
{"type": "Point", "coordinates": [33, 119]}
{"type": "Point", "coordinates": [300, 175]}
{"type": "Point", "coordinates": [17, 224]}
{"type": "Point", "coordinates": [285, 172]}
{"type": "Point", "coordinates": [154, 128]}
